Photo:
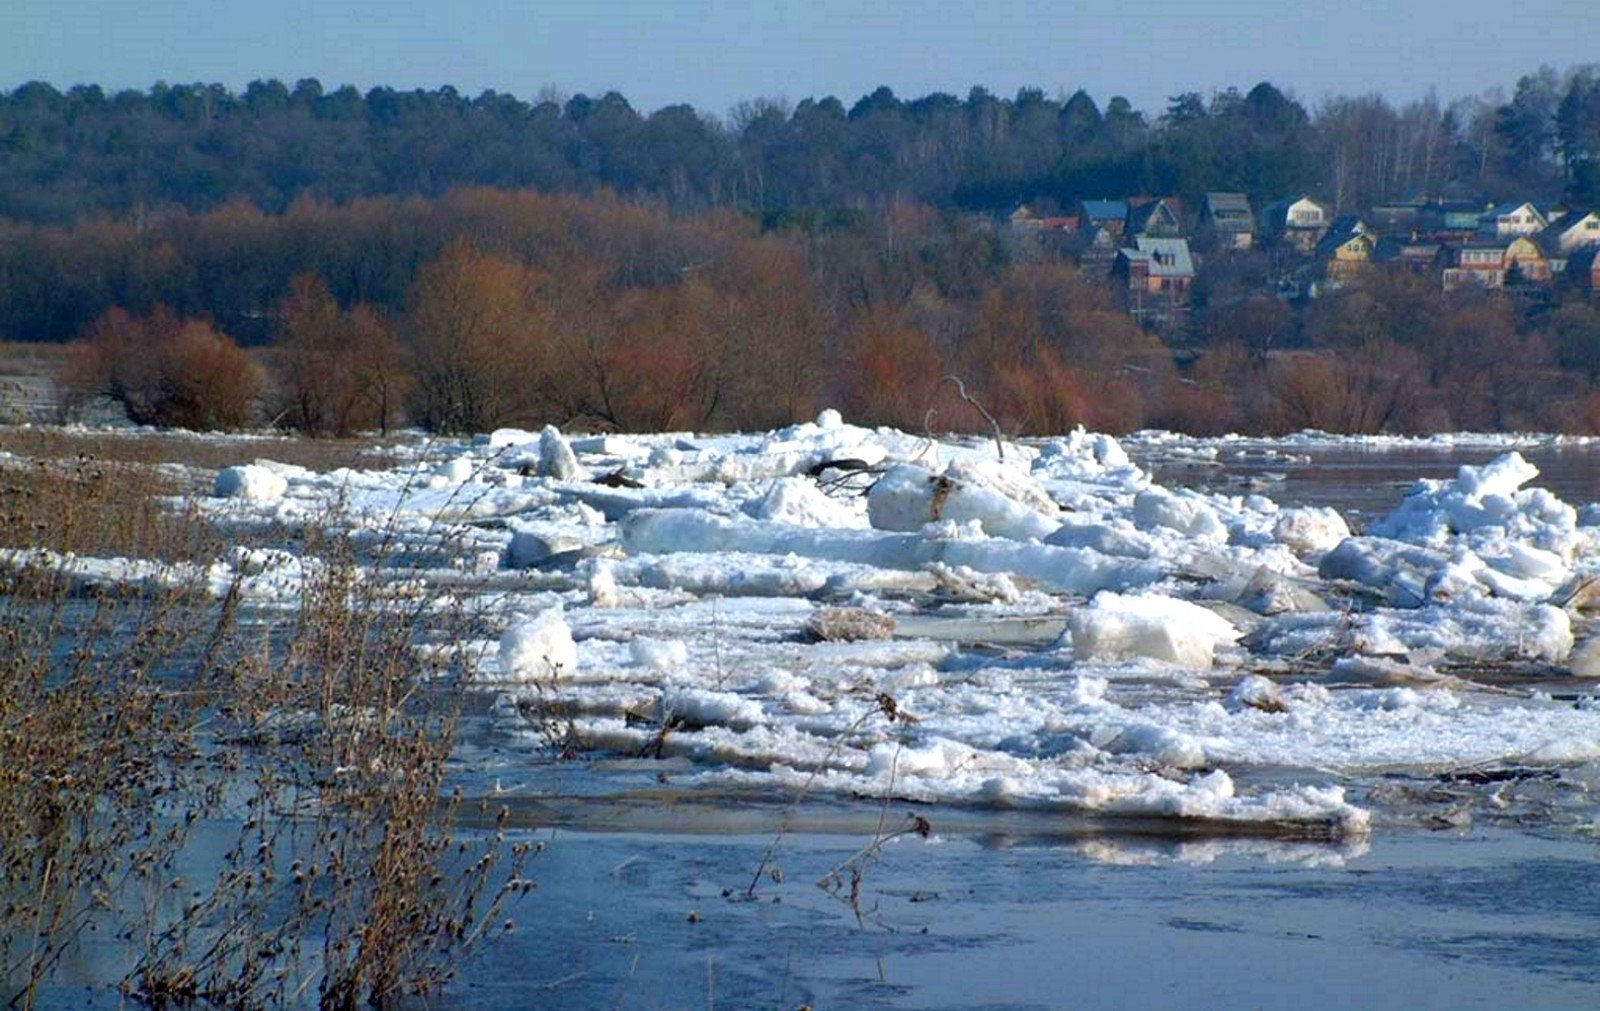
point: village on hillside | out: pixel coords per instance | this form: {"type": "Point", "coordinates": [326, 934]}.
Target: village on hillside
{"type": "Point", "coordinates": [1151, 247]}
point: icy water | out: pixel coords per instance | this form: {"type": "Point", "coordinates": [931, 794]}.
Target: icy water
{"type": "Point", "coordinates": [1474, 887]}
{"type": "Point", "coordinates": [1361, 483]}
{"type": "Point", "coordinates": [1009, 910]}
{"type": "Point", "coordinates": [1000, 921]}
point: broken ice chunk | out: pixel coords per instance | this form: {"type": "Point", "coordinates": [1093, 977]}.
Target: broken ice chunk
{"type": "Point", "coordinates": [1121, 627]}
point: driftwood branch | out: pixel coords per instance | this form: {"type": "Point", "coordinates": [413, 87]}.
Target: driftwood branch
{"type": "Point", "coordinates": [994, 426]}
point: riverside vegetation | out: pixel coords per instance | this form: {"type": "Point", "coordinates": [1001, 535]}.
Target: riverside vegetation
{"type": "Point", "coordinates": [242, 810]}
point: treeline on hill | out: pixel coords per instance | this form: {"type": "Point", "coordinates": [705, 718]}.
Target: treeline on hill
{"type": "Point", "coordinates": [86, 153]}
{"type": "Point", "coordinates": [488, 307]}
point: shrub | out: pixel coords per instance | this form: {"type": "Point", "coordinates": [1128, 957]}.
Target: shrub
{"type": "Point", "coordinates": [165, 370]}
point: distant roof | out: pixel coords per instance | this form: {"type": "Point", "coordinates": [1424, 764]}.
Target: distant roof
{"type": "Point", "coordinates": [1168, 257]}
{"type": "Point", "coordinates": [1139, 217]}
{"type": "Point", "coordinates": [1393, 248]}
{"type": "Point", "coordinates": [1230, 201]}
{"type": "Point", "coordinates": [1099, 209]}
{"type": "Point", "coordinates": [1230, 212]}
{"type": "Point", "coordinates": [1571, 220]}
{"type": "Point", "coordinates": [1583, 259]}
{"type": "Point", "coordinates": [1548, 240]}
{"type": "Point", "coordinates": [1512, 207]}
{"type": "Point", "coordinates": [1277, 212]}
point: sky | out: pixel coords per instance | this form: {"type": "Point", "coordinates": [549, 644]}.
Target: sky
{"type": "Point", "coordinates": [714, 53]}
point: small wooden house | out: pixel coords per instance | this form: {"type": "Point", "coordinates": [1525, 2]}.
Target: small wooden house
{"type": "Point", "coordinates": [1345, 255]}
{"type": "Point", "coordinates": [1453, 222]}
{"type": "Point", "coordinates": [1111, 215]}
{"type": "Point", "coordinates": [1158, 275]}
{"type": "Point", "coordinates": [1229, 218]}
{"type": "Point", "coordinates": [1476, 264]}
{"type": "Point", "coordinates": [1525, 262]}
{"type": "Point", "coordinates": [1026, 219]}
{"type": "Point", "coordinates": [1159, 218]}
{"type": "Point", "coordinates": [1298, 223]}
{"type": "Point", "coordinates": [1417, 254]}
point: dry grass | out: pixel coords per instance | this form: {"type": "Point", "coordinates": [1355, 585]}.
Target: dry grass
{"type": "Point", "coordinates": [130, 717]}
{"type": "Point", "coordinates": [212, 452]}
{"type": "Point", "coordinates": [88, 507]}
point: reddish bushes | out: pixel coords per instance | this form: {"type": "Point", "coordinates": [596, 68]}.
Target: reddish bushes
{"type": "Point", "coordinates": [893, 373]}
{"type": "Point", "coordinates": [165, 370]}
{"type": "Point", "coordinates": [338, 372]}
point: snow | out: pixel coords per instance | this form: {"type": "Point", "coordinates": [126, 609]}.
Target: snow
{"type": "Point", "coordinates": [251, 482]}
{"type": "Point", "coordinates": [799, 502]}
{"type": "Point", "coordinates": [659, 654]}
{"type": "Point", "coordinates": [556, 458]}
{"type": "Point", "coordinates": [1002, 503]}
{"type": "Point", "coordinates": [539, 648]}
{"type": "Point", "coordinates": [1185, 513]}
{"type": "Point", "coordinates": [1118, 627]}
{"type": "Point", "coordinates": [1310, 532]}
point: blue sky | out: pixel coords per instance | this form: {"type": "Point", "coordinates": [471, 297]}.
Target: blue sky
{"type": "Point", "coordinates": [712, 54]}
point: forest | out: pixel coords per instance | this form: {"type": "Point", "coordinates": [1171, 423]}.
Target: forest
{"type": "Point", "coordinates": [334, 261]}
{"type": "Point", "coordinates": [84, 153]}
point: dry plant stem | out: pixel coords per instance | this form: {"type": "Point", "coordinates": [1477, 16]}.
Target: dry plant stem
{"type": "Point", "coordinates": [885, 705]}
{"type": "Point", "coordinates": [858, 862]}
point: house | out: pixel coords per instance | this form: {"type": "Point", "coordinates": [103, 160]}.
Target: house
{"type": "Point", "coordinates": [1512, 219]}
{"type": "Point", "coordinates": [1455, 221]}
{"type": "Point", "coordinates": [1476, 264]}
{"type": "Point", "coordinates": [1345, 252]}
{"type": "Point", "coordinates": [1298, 223]}
{"type": "Point", "coordinates": [1583, 270]}
{"type": "Point", "coordinates": [1416, 254]}
{"type": "Point", "coordinates": [1526, 263]}
{"type": "Point", "coordinates": [1229, 218]}
{"type": "Point", "coordinates": [1401, 217]}
{"type": "Point", "coordinates": [1095, 250]}
{"type": "Point", "coordinates": [1158, 274]}
{"type": "Point", "coordinates": [1023, 217]}
{"type": "Point", "coordinates": [1575, 231]}
{"type": "Point", "coordinates": [1346, 225]}
{"type": "Point", "coordinates": [1026, 219]}
{"type": "Point", "coordinates": [1159, 218]}
{"type": "Point", "coordinates": [1549, 244]}
{"type": "Point", "coordinates": [1553, 211]}
{"type": "Point", "coordinates": [1112, 215]}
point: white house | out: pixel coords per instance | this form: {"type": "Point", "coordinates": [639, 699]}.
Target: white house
{"type": "Point", "coordinates": [1510, 220]}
